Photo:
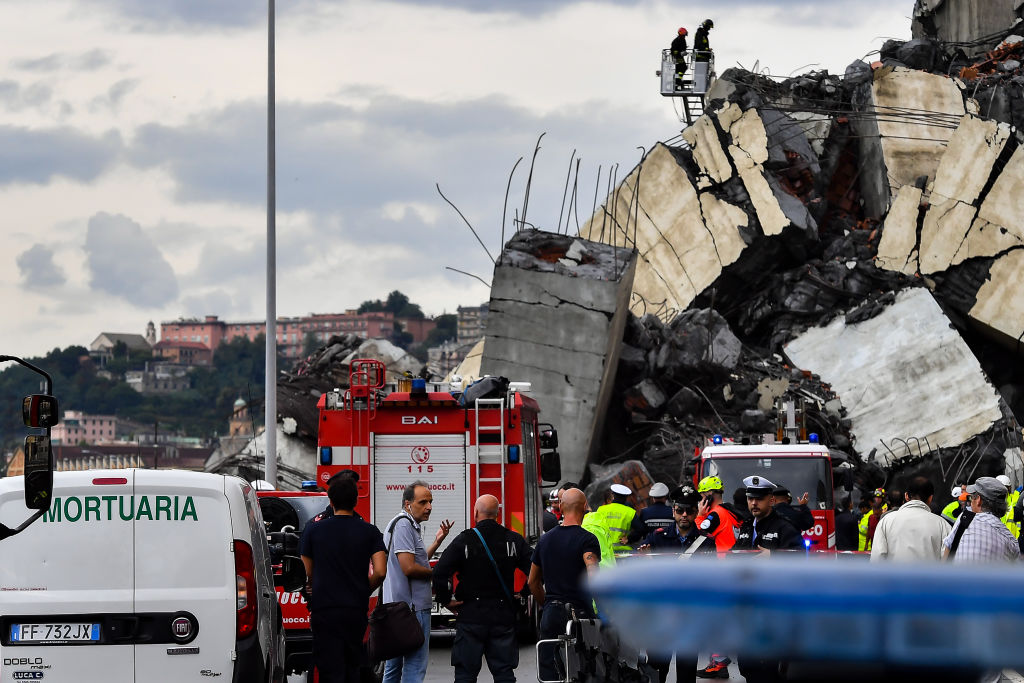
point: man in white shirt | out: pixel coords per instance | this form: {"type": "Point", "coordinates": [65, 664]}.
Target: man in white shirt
{"type": "Point", "coordinates": [912, 532]}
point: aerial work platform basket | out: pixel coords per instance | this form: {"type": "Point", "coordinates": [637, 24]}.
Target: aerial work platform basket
{"type": "Point", "coordinates": [691, 90]}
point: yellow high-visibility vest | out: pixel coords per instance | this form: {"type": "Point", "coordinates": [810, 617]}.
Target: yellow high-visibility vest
{"type": "Point", "coordinates": [862, 530]}
{"type": "Point", "coordinates": [1007, 519]}
{"type": "Point", "coordinates": [594, 523]}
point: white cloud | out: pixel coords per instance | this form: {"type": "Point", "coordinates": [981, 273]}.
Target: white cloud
{"type": "Point", "coordinates": [132, 140]}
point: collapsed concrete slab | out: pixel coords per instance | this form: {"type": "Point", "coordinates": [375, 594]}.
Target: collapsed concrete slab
{"type": "Point", "coordinates": [901, 375]}
{"type": "Point", "coordinates": [969, 23]}
{"type": "Point", "coordinates": [681, 251]}
{"type": "Point", "coordinates": [561, 322]}
{"type": "Point", "coordinates": [963, 172]}
{"type": "Point", "coordinates": [1000, 303]}
{"type": "Point", "coordinates": [907, 120]}
{"type": "Point", "coordinates": [690, 213]}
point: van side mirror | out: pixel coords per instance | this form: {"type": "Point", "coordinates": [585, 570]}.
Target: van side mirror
{"type": "Point", "coordinates": [550, 466]}
{"type": "Point", "coordinates": [292, 576]}
{"type": "Point", "coordinates": [548, 437]}
{"type": "Point", "coordinates": [40, 412]}
{"type": "Point", "coordinates": [38, 472]}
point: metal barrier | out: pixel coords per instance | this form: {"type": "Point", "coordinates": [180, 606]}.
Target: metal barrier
{"type": "Point", "coordinates": [591, 652]}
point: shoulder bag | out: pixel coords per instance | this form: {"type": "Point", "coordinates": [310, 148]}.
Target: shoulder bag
{"type": "Point", "coordinates": [394, 629]}
{"type": "Point", "coordinates": [966, 517]}
{"type": "Point", "coordinates": [497, 571]}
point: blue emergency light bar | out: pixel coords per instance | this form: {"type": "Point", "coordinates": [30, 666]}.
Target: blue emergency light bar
{"type": "Point", "coordinates": [717, 439]}
{"type": "Point", "coordinates": [308, 485]}
{"type": "Point", "coordinates": [795, 607]}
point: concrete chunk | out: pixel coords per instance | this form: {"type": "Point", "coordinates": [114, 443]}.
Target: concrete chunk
{"type": "Point", "coordinates": [897, 149]}
{"type": "Point", "coordinates": [967, 163]}
{"type": "Point", "coordinates": [1004, 205]}
{"type": "Point", "coordinates": [702, 137]}
{"type": "Point", "coordinates": [897, 250]}
{"type": "Point", "coordinates": [945, 227]}
{"type": "Point", "coordinates": [886, 368]}
{"type": "Point", "coordinates": [1000, 301]}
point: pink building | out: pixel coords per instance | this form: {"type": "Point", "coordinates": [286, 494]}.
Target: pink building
{"type": "Point", "coordinates": [77, 427]}
{"type": "Point", "coordinates": [291, 332]}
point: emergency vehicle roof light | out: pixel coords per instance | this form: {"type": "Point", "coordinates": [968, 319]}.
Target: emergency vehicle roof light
{"type": "Point", "coordinates": [812, 437]}
{"type": "Point", "coordinates": [419, 386]}
{"type": "Point", "coordinates": [308, 485]}
{"type": "Point", "coordinates": [325, 455]}
{"type": "Point", "coordinates": [717, 439]}
{"type": "Point", "coordinates": [513, 454]}
{"type": "Point", "coordinates": [520, 387]}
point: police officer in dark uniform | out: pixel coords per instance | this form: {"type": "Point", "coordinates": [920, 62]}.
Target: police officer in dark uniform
{"type": "Point", "coordinates": [657, 515]}
{"type": "Point", "coordinates": [766, 531]}
{"type": "Point", "coordinates": [485, 559]}
{"type": "Point", "coordinates": [799, 516]}
{"type": "Point", "coordinates": [682, 537]}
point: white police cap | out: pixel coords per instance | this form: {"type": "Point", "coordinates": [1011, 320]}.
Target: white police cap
{"type": "Point", "coordinates": [659, 490]}
{"type": "Point", "coordinates": [621, 490]}
{"type": "Point", "coordinates": [758, 487]}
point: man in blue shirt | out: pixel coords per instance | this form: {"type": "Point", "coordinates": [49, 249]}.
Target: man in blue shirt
{"type": "Point", "coordinates": [409, 575]}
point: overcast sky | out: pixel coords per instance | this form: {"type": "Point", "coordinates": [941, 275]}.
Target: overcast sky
{"type": "Point", "coordinates": [133, 143]}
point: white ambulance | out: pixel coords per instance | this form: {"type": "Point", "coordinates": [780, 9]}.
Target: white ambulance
{"type": "Point", "coordinates": [139, 575]}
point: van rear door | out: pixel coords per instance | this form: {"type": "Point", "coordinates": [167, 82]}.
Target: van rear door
{"type": "Point", "coordinates": [184, 570]}
{"type": "Point", "coordinates": [67, 582]}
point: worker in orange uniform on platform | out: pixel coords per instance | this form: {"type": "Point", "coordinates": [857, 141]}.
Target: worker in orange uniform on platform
{"type": "Point", "coordinates": [713, 519]}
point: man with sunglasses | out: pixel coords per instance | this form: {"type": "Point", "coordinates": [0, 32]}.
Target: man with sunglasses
{"type": "Point", "coordinates": [682, 535]}
{"type": "Point", "coordinates": [683, 538]}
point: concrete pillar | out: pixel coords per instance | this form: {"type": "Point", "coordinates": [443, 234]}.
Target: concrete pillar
{"type": "Point", "coordinates": [558, 310]}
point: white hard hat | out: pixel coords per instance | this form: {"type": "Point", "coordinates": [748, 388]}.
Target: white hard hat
{"type": "Point", "coordinates": [553, 495]}
{"type": "Point", "coordinates": [659, 490]}
{"type": "Point", "coordinates": [622, 490]}
{"type": "Point", "coordinates": [1004, 480]}
{"type": "Point", "coordinates": [956, 491]}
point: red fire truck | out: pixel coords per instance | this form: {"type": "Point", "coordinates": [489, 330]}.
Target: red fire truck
{"type": "Point", "coordinates": [461, 447]}
{"type": "Point", "coordinates": [790, 458]}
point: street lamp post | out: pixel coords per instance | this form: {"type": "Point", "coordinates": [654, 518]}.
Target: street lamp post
{"type": "Point", "coordinates": [270, 397]}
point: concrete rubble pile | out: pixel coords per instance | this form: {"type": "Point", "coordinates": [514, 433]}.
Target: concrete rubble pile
{"type": "Point", "coordinates": [855, 241]}
{"type": "Point", "coordinates": [326, 369]}
{"type": "Point", "coordinates": [298, 391]}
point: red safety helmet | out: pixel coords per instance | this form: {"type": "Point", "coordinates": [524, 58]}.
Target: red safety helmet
{"type": "Point", "coordinates": [683, 31]}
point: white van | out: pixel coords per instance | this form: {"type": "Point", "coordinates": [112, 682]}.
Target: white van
{"type": "Point", "coordinates": [139, 575]}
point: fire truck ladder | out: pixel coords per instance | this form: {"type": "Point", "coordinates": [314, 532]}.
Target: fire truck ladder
{"type": "Point", "coordinates": [500, 460]}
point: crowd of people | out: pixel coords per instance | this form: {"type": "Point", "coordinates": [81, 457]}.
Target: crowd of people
{"type": "Point", "coordinates": [338, 546]}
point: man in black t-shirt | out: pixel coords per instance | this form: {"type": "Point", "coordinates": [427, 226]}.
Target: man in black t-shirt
{"type": "Point", "coordinates": [562, 557]}
{"type": "Point", "coordinates": [336, 552]}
